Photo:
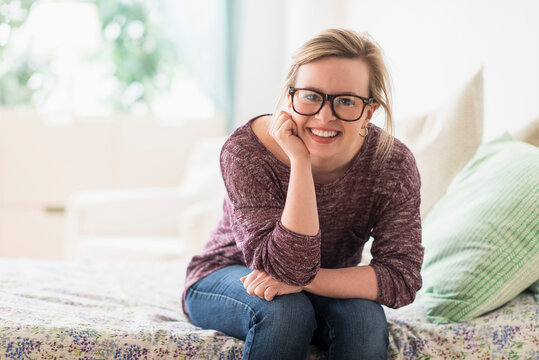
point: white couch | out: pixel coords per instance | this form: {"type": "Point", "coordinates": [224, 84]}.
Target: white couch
{"type": "Point", "coordinates": [150, 223]}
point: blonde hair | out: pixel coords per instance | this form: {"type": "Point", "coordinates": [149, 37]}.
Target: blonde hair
{"type": "Point", "coordinates": [349, 44]}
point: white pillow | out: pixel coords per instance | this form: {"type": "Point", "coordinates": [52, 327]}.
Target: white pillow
{"type": "Point", "coordinates": [529, 133]}
{"type": "Point", "coordinates": [203, 190]}
{"type": "Point", "coordinates": [445, 140]}
{"type": "Point", "coordinates": [202, 179]}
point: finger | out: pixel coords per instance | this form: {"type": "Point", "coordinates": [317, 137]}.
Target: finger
{"type": "Point", "coordinates": [281, 118]}
{"type": "Point", "coordinates": [270, 293]}
{"type": "Point", "coordinates": [293, 127]}
{"type": "Point", "coordinates": [260, 290]}
{"type": "Point", "coordinates": [249, 278]}
{"type": "Point", "coordinates": [278, 122]}
{"type": "Point", "coordinates": [255, 283]}
{"type": "Point", "coordinates": [251, 289]}
{"type": "Point", "coordinates": [287, 129]}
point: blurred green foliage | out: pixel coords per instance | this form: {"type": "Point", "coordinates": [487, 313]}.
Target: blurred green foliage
{"type": "Point", "coordinates": [14, 76]}
{"type": "Point", "coordinates": [143, 58]}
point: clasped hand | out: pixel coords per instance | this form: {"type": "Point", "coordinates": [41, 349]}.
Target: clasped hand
{"type": "Point", "coordinates": [262, 285]}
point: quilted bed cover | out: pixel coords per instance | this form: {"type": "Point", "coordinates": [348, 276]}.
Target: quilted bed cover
{"type": "Point", "coordinates": [126, 310]}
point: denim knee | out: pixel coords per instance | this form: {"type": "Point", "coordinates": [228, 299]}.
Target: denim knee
{"type": "Point", "coordinates": [365, 323]}
{"type": "Point", "coordinates": [287, 314]}
{"type": "Point", "coordinates": [281, 328]}
{"type": "Point", "coordinates": [355, 328]}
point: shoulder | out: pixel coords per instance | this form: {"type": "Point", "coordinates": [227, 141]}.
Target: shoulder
{"type": "Point", "coordinates": [399, 154]}
{"type": "Point", "coordinates": [242, 146]}
{"type": "Point", "coordinates": [399, 170]}
{"type": "Point", "coordinates": [251, 175]}
{"type": "Point", "coordinates": [401, 157]}
{"type": "Point", "coordinates": [246, 164]}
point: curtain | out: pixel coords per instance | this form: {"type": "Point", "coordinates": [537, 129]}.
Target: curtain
{"type": "Point", "coordinates": [206, 35]}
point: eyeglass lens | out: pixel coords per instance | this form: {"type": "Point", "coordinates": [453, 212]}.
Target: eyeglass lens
{"type": "Point", "coordinates": [346, 107]}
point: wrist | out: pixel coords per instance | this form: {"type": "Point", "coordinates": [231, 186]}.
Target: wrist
{"type": "Point", "coordinates": [310, 287]}
{"type": "Point", "coordinates": [300, 161]}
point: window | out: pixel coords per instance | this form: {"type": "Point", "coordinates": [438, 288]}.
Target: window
{"type": "Point", "coordinates": [94, 58]}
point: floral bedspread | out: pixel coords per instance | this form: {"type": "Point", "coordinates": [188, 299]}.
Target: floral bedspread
{"type": "Point", "coordinates": [510, 332]}
{"type": "Point", "coordinates": [100, 310]}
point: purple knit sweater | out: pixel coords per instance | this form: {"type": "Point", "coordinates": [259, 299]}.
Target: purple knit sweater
{"type": "Point", "coordinates": [373, 198]}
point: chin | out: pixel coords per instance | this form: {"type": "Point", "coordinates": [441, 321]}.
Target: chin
{"type": "Point", "coordinates": [322, 154]}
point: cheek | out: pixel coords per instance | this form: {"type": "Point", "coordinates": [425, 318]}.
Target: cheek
{"type": "Point", "coordinates": [352, 130]}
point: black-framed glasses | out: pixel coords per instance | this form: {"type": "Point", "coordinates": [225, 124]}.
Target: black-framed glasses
{"type": "Point", "coordinates": [345, 107]}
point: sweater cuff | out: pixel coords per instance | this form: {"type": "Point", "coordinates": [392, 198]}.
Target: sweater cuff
{"type": "Point", "coordinates": [281, 226]}
{"type": "Point", "coordinates": [385, 294]}
{"type": "Point", "coordinates": [301, 260]}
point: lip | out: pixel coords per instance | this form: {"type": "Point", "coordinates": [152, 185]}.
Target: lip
{"type": "Point", "coordinates": [323, 140]}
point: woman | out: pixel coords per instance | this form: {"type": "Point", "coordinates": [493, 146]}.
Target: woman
{"type": "Point", "coordinates": [306, 188]}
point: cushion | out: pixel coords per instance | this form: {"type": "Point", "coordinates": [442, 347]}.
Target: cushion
{"type": "Point", "coordinates": [443, 141]}
{"type": "Point", "coordinates": [203, 191]}
{"type": "Point", "coordinates": [529, 133]}
{"type": "Point", "coordinates": [480, 239]}
{"type": "Point", "coordinates": [202, 179]}
{"type": "Point", "coordinates": [535, 290]}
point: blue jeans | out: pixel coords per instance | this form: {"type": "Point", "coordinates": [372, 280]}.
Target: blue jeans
{"type": "Point", "coordinates": [284, 327]}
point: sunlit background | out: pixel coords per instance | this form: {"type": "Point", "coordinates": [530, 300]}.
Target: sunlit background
{"type": "Point", "coordinates": [114, 94]}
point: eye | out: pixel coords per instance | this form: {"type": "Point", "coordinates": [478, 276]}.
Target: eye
{"type": "Point", "coordinates": [309, 96]}
{"type": "Point", "coordinates": [348, 101]}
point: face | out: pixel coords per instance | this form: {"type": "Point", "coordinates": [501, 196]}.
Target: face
{"type": "Point", "coordinates": [327, 137]}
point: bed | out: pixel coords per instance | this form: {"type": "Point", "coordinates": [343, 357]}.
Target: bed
{"type": "Point", "coordinates": [131, 310]}
{"type": "Point", "coordinates": [480, 231]}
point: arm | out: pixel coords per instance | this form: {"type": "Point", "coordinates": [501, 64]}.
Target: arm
{"type": "Point", "coordinates": [273, 228]}
{"type": "Point", "coordinates": [398, 254]}
{"type": "Point", "coordinates": [300, 212]}
{"type": "Point", "coordinates": [397, 251]}
{"type": "Point", "coordinates": [335, 283]}
{"type": "Point", "coordinates": [344, 283]}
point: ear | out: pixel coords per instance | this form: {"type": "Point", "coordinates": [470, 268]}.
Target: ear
{"type": "Point", "coordinates": [370, 112]}
{"type": "Point", "coordinates": [289, 98]}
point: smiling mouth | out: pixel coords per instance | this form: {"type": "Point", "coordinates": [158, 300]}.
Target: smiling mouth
{"type": "Point", "coordinates": [324, 133]}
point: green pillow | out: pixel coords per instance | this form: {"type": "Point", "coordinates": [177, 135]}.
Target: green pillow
{"type": "Point", "coordinates": [481, 238]}
{"type": "Point", "coordinates": [535, 290]}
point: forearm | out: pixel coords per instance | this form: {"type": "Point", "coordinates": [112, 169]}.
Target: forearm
{"type": "Point", "coordinates": [300, 213]}
{"type": "Point", "coordinates": [343, 283]}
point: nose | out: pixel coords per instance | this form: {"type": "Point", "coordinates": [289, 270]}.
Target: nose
{"type": "Point", "coordinates": [326, 112]}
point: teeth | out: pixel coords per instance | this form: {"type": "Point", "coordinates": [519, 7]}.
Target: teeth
{"type": "Point", "coordinates": [325, 134]}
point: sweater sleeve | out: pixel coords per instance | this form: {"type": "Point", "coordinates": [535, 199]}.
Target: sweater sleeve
{"type": "Point", "coordinates": [257, 201]}
{"type": "Point", "coordinates": [397, 250]}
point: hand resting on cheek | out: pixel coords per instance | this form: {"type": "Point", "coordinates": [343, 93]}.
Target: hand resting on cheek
{"type": "Point", "coordinates": [285, 132]}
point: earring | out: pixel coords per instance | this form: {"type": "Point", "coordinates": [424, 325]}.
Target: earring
{"type": "Point", "coordinates": [366, 133]}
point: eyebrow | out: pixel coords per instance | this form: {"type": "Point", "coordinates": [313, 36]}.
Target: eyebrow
{"type": "Point", "coordinates": [337, 93]}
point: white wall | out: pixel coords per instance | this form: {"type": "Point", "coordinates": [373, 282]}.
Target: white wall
{"type": "Point", "coordinates": [259, 67]}
{"type": "Point", "coordinates": [271, 31]}
{"type": "Point", "coordinates": [432, 47]}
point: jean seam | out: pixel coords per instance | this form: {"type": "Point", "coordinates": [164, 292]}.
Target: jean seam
{"type": "Point", "coordinates": [250, 309]}
{"type": "Point", "coordinates": [331, 331]}
{"type": "Point", "coordinates": [252, 341]}
{"type": "Point", "coordinates": [227, 298]}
